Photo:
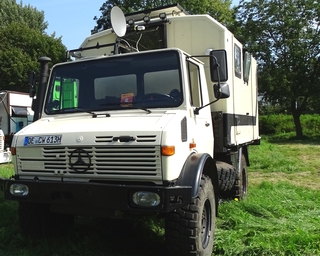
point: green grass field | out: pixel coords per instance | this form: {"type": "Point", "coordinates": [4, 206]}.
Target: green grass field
{"type": "Point", "coordinates": [281, 215]}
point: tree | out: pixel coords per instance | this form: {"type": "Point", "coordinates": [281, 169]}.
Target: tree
{"type": "Point", "coordinates": [20, 49]}
{"type": "Point", "coordinates": [218, 9]}
{"type": "Point", "coordinates": [11, 12]}
{"type": "Point", "coordinates": [284, 35]}
{"type": "Point", "coordinates": [23, 41]}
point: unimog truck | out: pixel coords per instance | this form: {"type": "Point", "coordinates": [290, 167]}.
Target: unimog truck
{"type": "Point", "coordinates": [153, 116]}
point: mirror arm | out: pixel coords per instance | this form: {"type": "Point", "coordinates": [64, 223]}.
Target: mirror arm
{"type": "Point", "coordinates": [196, 110]}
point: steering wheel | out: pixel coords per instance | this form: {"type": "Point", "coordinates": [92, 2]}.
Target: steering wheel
{"type": "Point", "coordinates": [175, 94]}
{"type": "Point", "coordinates": [156, 96]}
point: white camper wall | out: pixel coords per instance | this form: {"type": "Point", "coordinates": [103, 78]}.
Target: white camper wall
{"type": "Point", "coordinates": [197, 33]}
{"type": "Point", "coordinates": [23, 101]}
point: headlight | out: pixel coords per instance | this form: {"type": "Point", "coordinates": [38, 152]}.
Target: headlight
{"type": "Point", "coordinates": [146, 198]}
{"type": "Point", "coordinates": [19, 189]}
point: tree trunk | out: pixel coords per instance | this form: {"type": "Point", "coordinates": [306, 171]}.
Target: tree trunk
{"type": "Point", "coordinates": [296, 119]}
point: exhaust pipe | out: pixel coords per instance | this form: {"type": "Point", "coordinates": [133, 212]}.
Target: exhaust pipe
{"type": "Point", "coordinates": [44, 74]}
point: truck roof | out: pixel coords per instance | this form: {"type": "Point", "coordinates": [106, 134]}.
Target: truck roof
{"type": "Point", "coordinates": [170, 11]}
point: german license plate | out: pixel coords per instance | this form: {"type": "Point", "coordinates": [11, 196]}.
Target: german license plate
{"type": "Point", "coordinates": [42, 140]}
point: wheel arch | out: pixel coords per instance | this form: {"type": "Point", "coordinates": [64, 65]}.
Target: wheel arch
{"type": "Point", "coordinates": [196, 165]}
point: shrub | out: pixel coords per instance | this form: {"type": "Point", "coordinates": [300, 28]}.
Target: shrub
{"type": "Point", "coordinates": [282, 126]}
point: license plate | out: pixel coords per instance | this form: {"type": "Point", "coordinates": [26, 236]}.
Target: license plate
{"type": "Point", "coordinates": [42, 140]}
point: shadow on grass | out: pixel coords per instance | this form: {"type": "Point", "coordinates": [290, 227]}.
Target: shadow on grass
{"type": "Point", "coordinates": [89, 237]}
{"type": "Point", "coordinates": [293, 140]}
{"type": "Point", "coordinates": [140, 237]}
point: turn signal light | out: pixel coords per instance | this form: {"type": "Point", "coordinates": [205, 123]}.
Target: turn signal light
{"type": "Point", "coordinates": [167, 150]}
{"type": "Point", "coordinates": [13, 151]}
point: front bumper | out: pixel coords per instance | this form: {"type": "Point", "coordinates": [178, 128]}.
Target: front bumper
{"type": "Point", "coordinates": [70, 196]}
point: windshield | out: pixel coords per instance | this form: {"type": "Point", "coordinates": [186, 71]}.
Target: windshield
{"type": "Point", "coordinates": [128, 81]}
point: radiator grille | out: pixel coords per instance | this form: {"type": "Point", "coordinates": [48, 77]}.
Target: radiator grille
{"type": "Point", "coordinates": [105, 161]}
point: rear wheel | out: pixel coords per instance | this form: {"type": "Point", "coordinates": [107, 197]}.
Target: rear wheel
{"type": "Point", "coordinates": [226, 176]}
{"type": "Point", "coordinates": [37, 220]}
{"type": "Point", "coordinates": [240, 186]}
{"type": "Point", "coordinates": [241, 182]}
{"type": "Point", "coordinates": [190, 229]}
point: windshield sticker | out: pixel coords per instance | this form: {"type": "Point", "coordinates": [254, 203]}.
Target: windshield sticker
{"type": "Point", "coordinates": [127, 99]}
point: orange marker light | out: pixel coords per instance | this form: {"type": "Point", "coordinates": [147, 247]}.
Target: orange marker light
{"type": "Point", "coordinates": [167, 150]}
{"type": "Point", "coordinates": [192, 145]}
{"type": "Point", "coordinates": [13, 151]}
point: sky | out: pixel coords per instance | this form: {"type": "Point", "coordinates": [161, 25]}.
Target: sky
{"type": "Point", "coordinates": [70, 19]}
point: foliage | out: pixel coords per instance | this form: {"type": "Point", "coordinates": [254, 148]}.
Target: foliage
{"type": "Point", "coordinates": [20, 51]}
{"type": "Point", "coordinates": [284, 35]}
{"type": "Point", "coordinates": [23, 41]}
{"type": "Point", "coordinates": [218, 9]}
{"type": "Point", "coordinates": [282, 126]}
{"type": "Point", "coordinates": [11, 12]}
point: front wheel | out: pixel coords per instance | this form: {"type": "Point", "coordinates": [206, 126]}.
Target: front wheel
{"type": "Point", "coordinates": [190, 229]}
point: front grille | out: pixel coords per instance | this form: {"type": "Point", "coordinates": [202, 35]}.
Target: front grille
{"type": "Point", "coordinates": [139, 138]}
{"type": "Point", "coordinates": [142, 162]}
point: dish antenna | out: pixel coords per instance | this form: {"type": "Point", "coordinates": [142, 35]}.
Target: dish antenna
{"type": "Point", "coordinates": [118, 21]}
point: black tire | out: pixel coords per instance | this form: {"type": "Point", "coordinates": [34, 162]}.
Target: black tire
{"type": "Point", "coordinates": [226, 176]}
{"type": "Point", "coordinates": [240, 186]}
{"type": "Point", "coordinates": [37, 220]}
{"type": "Point", "coordinates": [241, 182]}
{"type": "Point", "coordinates": [190, 229]}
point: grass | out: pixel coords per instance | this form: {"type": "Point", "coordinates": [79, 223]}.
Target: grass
{"type": "Point", "coordinates": [279, 217]}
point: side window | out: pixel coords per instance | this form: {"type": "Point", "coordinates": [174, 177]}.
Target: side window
{"type": "Point", "coordinates": [237, 61]}
{"type": "Point", "coordinates": [194, 83]}
{"type": "Point", "coordinates": [246, 66]}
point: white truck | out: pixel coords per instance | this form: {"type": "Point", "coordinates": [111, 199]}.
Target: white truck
{"type": "Point", "coordinates": [15, 113]}
{"type": "Point", "coordinates": [5, 153]}
{"type": "Point", "coordinates": [154, 116]}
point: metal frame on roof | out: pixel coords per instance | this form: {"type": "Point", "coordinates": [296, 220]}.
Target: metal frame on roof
{"type": "Point", "coordinates": [170, 10]}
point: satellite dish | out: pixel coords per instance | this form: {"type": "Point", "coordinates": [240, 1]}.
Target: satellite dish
{"type": "Point", "coordinates": [118, 21]}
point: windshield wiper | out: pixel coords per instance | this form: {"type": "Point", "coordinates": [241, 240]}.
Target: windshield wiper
{"type": "Point", "coordinates": [94, 114]}
{"type": "Point", "coordinates": [125, 106]}
{"type": "Point", "coordinates": [137, 107]}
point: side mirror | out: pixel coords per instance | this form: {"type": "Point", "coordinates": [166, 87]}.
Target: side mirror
{"type": "Point", "coordinates": [218, 66]}
{"type": "Point", "coordinates": [32, 84]}
{"type": "Point", "coordinates": [221, 91]}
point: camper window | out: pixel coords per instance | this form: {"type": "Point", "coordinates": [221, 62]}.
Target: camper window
{"type": "Point", "coordinates": [237, 61]}
{"type": "Point", "coordinates": [19, 112]}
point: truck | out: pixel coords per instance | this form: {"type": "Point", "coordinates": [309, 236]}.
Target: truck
{"type": "Point", "coordinates": [153, 116]}
{"type": "Point", "coordinates": [15, 113]}
{"type": "Point", "coordinates": [5, 153]}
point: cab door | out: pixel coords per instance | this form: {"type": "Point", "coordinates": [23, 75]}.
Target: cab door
{"type": "Point", "coordinates": [202, 122]}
